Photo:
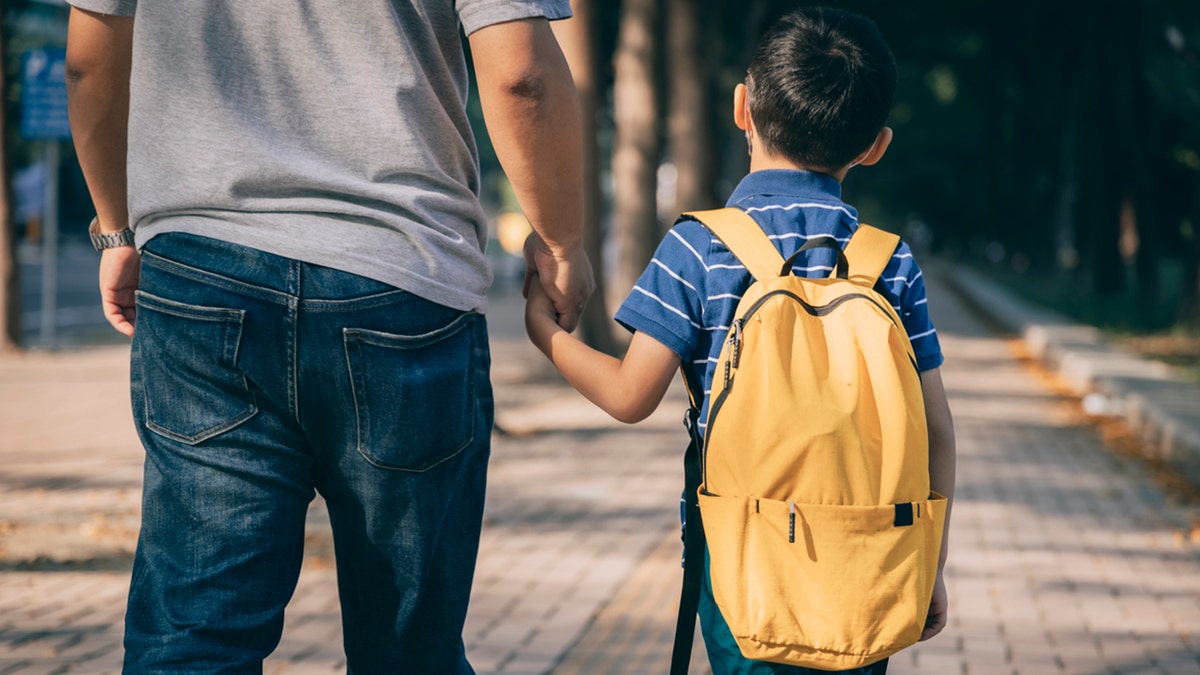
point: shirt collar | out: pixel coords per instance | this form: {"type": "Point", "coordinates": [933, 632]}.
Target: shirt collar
{"type": "Point", "coordinates": [790, 182]}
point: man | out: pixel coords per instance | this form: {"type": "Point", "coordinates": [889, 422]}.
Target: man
{"type": "Point", "coordinates": [286, 198]}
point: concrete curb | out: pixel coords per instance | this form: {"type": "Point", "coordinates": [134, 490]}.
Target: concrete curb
{"type": "Point", "coordinates": [1160, 407]}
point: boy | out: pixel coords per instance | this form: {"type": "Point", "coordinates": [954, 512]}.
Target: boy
{"type": "Point", "coordinates": [814, 104]}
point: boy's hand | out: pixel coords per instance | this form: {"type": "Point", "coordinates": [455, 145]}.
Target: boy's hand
{"type": "Point", "coordinates": [541, 318]}
{"type": "Point", "coordinates": [936, 620]}
{"type": "Point", "coordinates": [537, 303]}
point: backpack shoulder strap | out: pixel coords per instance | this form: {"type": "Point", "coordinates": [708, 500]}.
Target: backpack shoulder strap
{"type": "Point", "coordinates": [869, 251]}
{"type": "Point", "coordinates": [745, 238]}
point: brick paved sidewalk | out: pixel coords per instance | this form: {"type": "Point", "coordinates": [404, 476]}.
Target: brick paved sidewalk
{"type": "Point", "coordinates": [1064, 558]}
{"type": "Point", "coordinates": [575, 503]}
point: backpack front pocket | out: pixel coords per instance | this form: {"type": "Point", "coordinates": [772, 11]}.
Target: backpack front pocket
{"type": "Point", "coordinates": [822, 586]}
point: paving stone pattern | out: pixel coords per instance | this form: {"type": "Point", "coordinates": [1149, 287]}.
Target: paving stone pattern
{"type": "Point", "coordinates": [1064, 557]}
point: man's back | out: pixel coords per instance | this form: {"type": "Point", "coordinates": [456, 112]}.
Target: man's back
{"type": "Point", "coordinates": [334, 133]}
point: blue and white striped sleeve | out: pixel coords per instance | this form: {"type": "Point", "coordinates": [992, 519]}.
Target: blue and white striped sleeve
{"type": "Point", "coordinates": [667, 303]}
{"type": "Point", "coordinates": [908, 282]}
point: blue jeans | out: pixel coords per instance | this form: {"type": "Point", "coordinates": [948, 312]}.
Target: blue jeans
{"type": "Point", "coordinates": [726, 658]}
{"type": "Point", "coordinates": [258, 379]}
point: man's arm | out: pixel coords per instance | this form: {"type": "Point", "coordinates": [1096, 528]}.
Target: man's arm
{"type": "Point", "coordinates": [99, 52]}
{"type": "Point", "coordinates": [942, 463]}
{"type": "Point", "coordinates": [532, 113]}
{"type": "Point", "coordinates": [629, 389]}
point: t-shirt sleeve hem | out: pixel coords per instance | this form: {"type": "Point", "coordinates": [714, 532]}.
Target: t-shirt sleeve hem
{"type": "Point", "coordinates": [109, 7]}
{"type": "Point", "coordinates": [929, 361]}
{"type": "Point", "coordinates": [483, 14]}
{"type": "Point", "coordinates": [635, 321]}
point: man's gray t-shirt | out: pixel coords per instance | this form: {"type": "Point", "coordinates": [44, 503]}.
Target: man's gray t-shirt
{"type": "Point", "coordinates": [330, 132]}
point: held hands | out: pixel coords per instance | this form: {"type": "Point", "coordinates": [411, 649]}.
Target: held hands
{"type": "Point", "coordinates": [566, 277]}
{"type": "Point", "coordinates": [936, 619]}
{"type": "Point", "coordinates": [118, 283]}
{"type": "Point", "coordinates": [541, 318]}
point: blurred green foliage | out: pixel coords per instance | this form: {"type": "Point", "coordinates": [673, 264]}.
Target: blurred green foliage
{"type": "Point", "coordinates": [1055, 140]}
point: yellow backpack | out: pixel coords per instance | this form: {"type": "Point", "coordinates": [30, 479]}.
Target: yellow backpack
{"type": "Point", "coordinates": [822, 532]}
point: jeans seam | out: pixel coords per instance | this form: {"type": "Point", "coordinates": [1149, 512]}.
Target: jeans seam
{"type": "Point", "coordinates": [363, 302]}
{"type": "Point", "coordinates": [380, 339]}
{"type": "Point", "coordinates": [186, 311]}
{"type": "Point", "coordinates": [234, 285]}
{"type": "Point", "coordinates": [293, 346]}
{"type": "Point", "coordinates": [353, 393]}
{"type": "Point", "coordinates": [424, 469]}
{"type": "Point", "coordinates": [196, 439]}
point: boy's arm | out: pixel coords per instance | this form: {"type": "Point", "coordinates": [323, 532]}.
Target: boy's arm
{"type": "Point", "coordinates": [942, 461]}
{"type": "Point", "coordinates": [629, 389]}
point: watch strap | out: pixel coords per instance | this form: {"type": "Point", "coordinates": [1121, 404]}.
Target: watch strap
{"type": "Point", "coordinates": [105, 240]}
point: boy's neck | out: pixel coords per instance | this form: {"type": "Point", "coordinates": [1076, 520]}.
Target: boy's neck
{"type": "Point", "coordinates": [761, 161]}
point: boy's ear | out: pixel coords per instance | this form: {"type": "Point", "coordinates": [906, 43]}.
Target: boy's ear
{"type": "Point", "coordinates": [875, 153]}
{"type": "Point", "coordinates": [741, 108]}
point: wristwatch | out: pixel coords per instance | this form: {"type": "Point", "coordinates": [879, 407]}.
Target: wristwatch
{"type": "Point", "coordinates": [111, 239]}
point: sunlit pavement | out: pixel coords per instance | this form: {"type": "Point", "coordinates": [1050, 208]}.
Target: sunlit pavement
{"type": "Point", "coordinates": [1065, 558]}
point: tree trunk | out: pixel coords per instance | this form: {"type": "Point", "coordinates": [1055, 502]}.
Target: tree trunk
{"type": "Point", "coordinates": [10, 307]}
{"type": "Point", "coordinates": [636, 148]}
{"type": "Point", "coordinates": [576, 36]}
{"type": "Point", "coordinates": [690, 126]}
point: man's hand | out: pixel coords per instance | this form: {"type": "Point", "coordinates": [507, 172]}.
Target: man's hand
{"type": "Point", "coordinates": [119, 268]}
{"type": "Point", "coordinates": [936, 620]}
{"type": "Point", "coordinates": [566, 278]}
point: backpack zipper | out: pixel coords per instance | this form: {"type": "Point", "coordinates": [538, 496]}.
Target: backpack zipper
{"type": "Point", "coordinates": [735, 331]}
{"type": "Point", "coordinates": [714, 408]}
{"type": "Point", "coordinates": [814, 310]}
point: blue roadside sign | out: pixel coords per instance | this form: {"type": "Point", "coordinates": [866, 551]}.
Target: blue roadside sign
{"type": "Point", "coordinates": [44, 94]}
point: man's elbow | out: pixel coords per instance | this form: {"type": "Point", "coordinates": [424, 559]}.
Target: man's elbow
{"type": "Point", "coordinates": [78, 68]}
{"type": "Point", "coordinates": [526, 84]}
{"type": "Point", "coordinates": [83, 65]}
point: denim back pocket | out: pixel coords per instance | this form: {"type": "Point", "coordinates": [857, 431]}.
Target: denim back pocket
{"type": "Point", "coordinates": [413, 394]}
{"type": "Point", "coordinates": [193, 387]}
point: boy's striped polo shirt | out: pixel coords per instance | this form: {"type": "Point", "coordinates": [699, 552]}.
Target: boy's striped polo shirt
{"type": "Point", "coordinates": [687, 296]}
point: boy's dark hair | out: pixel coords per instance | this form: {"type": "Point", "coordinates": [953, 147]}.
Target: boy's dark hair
{"type": "Point", "coordinates": [820, 86]}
